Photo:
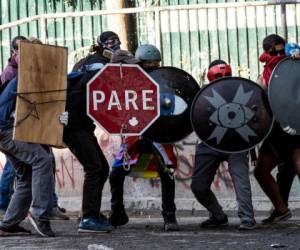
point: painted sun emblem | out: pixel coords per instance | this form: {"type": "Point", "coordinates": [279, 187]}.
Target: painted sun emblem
{"type": "Point", "coordinates": [231, 115]}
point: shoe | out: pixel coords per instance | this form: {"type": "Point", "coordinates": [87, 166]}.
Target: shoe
{"type": "Point", "coordinates": [41, 226]}
{"type": "Point", "coordinates": [94, 225]}
{"type": "Point", "coordinates": [214, 222]}
{"type": "Point", "coordinates": [103, 218]}
{"type": "Point", "coordinates": [56, 214]}
{"type": "Point", "coordinates": [118, 217]}
{"type": "Point", "coordinates": [2, 213]}
{"type": "Point", "coordinates": [14, 230]}
{"type": "Point", "coordinates": [247, 226]}
{"type": "Point", "coordinates": [276, 217]}
{"type": "Point", "coordinates": [170, 222]}
{"type": "Point", "coordinates": [61, 209]}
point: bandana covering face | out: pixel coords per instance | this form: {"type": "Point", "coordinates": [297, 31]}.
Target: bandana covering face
{"type": "Point", "coordinates": [270, 63]}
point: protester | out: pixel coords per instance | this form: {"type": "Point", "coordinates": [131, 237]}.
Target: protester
{"type": "Point", "coordinates": [149, 57]}
{"type": "Point", "coordinates": [279, 149]}
{"type": "Point", "coordinates": [207, 161]}
{"type": "Point", "coordinates": [80, 131]}
{"type": "Point", "coordinates": [8, 175]}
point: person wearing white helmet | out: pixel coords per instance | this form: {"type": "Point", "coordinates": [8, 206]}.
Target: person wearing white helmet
{"type": "Point", "coordinates": [148, 57]}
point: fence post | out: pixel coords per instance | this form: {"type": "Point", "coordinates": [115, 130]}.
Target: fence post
{"type": "Point", "coordinates": [44, 31]}
{"type": "Point", "coordinates": [283, 20]}
{"type": "Point", "coordinates": [157, 30]}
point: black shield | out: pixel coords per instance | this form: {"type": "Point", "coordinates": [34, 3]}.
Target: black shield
{"type": "Point", "coordinates": [177, 91]}
{"type": "Point", "coordinates": [231, 114]}
{"type": "Point", "coordinates": [284, 93]}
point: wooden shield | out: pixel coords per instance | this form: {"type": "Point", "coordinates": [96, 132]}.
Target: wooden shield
{"type": "Point", "coordinates": [41, 98]}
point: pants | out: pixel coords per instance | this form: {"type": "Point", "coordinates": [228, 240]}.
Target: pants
{"type": "Point", "coordinates": [207, 162]}
{"type": "Point", "coordinates": [6, 185]}
{"type": "Point", "coordinates": [85, 147]}
{"type": "Point", "coordinates": [34, 173]}
{"type": "Point", "coordinates": [117, 178]}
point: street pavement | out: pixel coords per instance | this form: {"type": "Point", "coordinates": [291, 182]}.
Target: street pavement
{"type": "Point", "coordinates": [146, 233]}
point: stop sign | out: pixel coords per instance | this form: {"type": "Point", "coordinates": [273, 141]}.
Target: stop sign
{"type": "Point", "coordinates": [123, 98]}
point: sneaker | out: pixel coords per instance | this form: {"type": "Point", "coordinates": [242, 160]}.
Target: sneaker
{"type": "Point", "coordinates": [61, 209]}
{"type": "Point", "coordinates": [93, 225]}
{"type": "Point", "coordinates": [118, 217]}
{"type": "Point", "coordinates": [14, 230]}
{"type": "Point", "coordinates": [41, 226]}
{"type": "Point", "coordinates": [276, 217]}
{"type": "Point", "coordinates": [247, 226]}
{"type": "Point", "coordinates": [56, 214]}
{"type": "Point", "coordinates": [170, 222]}
{"type": "Point", "coordinates": [2, 213]}
{"type": "Point", "coordinates": [214, 222]}
{"type": "Point", "coordinates": [103, 218]}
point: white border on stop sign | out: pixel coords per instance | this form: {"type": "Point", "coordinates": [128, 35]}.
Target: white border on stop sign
{"type": "Point", "coordinates": [123, 65]}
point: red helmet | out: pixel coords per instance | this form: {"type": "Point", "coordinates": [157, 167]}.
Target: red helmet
{"type": "Point", "coordinates": [218, 71]}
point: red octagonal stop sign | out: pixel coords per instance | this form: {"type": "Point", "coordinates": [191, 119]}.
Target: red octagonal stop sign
{"type": "Point", "coordinates": [123, 96]}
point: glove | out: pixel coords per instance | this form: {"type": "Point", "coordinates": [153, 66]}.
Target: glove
{"type": "Point", "coordinates": [289, 130]}
{"type": "Point", "coordinates": [64, 118]}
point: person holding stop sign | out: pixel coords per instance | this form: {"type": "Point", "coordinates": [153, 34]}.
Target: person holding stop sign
{"type": "Point", "coordinates": [80, 138]}
{"type": "Point", "coordinates": [165, 161]}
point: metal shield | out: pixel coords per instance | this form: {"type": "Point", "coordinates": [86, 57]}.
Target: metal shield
{"type": "Point", "coordinates": [177, 91]}
{"type": "Point", "coordinates": [284, 93]}
{"type": "Point", "coordinates": [231, 114]}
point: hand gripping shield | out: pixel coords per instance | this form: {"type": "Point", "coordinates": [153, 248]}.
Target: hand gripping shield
{"type": "Point", "coordinates": [231, 114]}
{"type": "Point", "coordinates": [177, 91]}
{"type": "Point", "coordinates": [284, 93]}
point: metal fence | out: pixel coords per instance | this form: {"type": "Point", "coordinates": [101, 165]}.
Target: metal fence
{"type": "Point", "coordinates": [189, 36]}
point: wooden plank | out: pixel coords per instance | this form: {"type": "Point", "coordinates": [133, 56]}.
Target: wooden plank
{"type": "Point", "coordinates": [41, 94]}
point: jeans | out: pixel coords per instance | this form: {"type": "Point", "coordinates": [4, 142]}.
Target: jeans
{"type": "Point", "coordinates": [85, 147]}
{"type": "Point", "coordinates": [6, 185]}
{"type": "Point", "coordinates": [34, 175]}
{"type": "Point", "coordinates": [207, 162]}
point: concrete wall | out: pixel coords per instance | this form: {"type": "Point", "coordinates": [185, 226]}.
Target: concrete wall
{"type": "Point", "coordinates": [145, 193]}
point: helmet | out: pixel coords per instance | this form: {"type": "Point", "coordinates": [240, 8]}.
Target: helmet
{"type": "Point", "coordinates": [106, 35]}
{"type": "Point", "coordinates": [219, 70]}
{"type": "Point", "coordinates": [147, 52]}
{"type": "Point", "coordinates": [109, 40]}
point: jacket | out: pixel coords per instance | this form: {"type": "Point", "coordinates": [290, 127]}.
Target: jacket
{"type": "Point", "coordinates": [8, 105]}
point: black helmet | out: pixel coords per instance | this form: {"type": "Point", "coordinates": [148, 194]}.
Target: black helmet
{"type": "Point", "coordinates": [106, 35]}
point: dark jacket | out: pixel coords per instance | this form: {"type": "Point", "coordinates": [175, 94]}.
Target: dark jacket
{"type": "Point", "coordinates": [90, 59]}
{"type": "Point", "coordinates": [76, 98]}
{"type": "Point", "coordinates": [8, 105]}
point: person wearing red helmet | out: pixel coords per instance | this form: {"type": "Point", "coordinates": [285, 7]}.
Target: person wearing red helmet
{"type": "Point", "coordinates": [207, 161]}
{"type": "Point", "coordinates": [221, 69]}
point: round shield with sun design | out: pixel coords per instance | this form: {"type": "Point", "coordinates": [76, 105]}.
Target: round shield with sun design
{"type": "Point", "coordinates": [231, 114]}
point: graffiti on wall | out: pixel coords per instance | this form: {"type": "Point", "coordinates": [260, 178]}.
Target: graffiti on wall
{"type": "Point", "coordinates": [186, 159]}
{"type": "Point", "coordinates": [69, 172]}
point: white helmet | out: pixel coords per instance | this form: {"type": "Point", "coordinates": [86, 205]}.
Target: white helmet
{"type": "Point", "coordinates": [147, 52]}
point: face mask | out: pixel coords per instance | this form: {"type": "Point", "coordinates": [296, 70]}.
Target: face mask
{"type": "Point", "coordinates": [115, 48]}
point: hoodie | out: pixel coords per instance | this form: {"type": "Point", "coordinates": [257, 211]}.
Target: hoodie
{"type": "Point", "coordinates": [270, 64]}
{"type": "Point", "coordinates": [10, 71]}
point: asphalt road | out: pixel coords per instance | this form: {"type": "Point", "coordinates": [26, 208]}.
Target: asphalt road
{"type": "Point", "coordinates": [147, 233]}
